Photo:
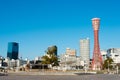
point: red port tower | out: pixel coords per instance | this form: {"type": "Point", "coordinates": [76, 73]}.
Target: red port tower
{"type": "Point", "coordinates": [97, 58]}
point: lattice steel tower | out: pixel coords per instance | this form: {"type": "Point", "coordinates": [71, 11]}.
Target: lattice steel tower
{"type": "Point", "coordinates": [97, 58]}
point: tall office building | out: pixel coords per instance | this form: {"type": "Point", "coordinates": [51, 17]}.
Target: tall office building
{"type": "Point", "coordinates": [97, 58]}
{"type": "Point", "coordinates": [85, 51]}
{"type": "Point", "coordinates": [13, 49]}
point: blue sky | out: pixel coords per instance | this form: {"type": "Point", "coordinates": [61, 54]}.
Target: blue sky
{"type": "Point", "coordinates": [37, 24]}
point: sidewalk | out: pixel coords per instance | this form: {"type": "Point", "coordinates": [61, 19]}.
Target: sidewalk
{"type": "Point", "coordinates": [41, 73]}
{"type": "Point", "coordinates": [49, 73]}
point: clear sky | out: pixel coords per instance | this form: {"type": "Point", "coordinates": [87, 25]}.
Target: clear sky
{"type": "Point", "coordinates": [37, 24]}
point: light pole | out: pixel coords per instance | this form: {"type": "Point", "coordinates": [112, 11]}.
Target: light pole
{"type": "Point", "coordinates": [85, 66]}
{"type": "Point", "coordinates": [66, 61]}
{"type": "Point", "coordinates": [43, 68]}
{"type": "Point", "coordinates": [108, 67]}
{"type": "Point", "coordinates": [117, 70]}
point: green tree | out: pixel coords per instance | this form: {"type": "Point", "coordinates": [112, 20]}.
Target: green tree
{"type": "Point", "coordinates": [50, 57]}
{"type": "Point", "coordinates": [108, 63]}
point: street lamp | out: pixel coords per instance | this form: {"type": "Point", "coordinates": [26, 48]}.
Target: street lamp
{"type": "Point", "coordinates": [108, 67]}
{"type": "Point", "coordinates": [117, 70]}
{"type": "Point", "coordinates": [66, 61]}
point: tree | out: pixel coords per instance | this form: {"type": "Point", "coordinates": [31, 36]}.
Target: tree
{"type": "Point", "coordinates": [52, 50]}
{"type": "Point", "coordinates": [50, 57]}
{"type": "Point", "coordinates": [108, 63]}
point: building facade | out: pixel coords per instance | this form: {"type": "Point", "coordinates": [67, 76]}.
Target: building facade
{"type": "Point", "coordinates": [68, 62]}
{"type": "Point", "coordinates": [104, 55]}
{"type": "Point", "coordinates": [71, 52]}
{"type": "Point", "coordinates": [85, 51]}
{"type": "Point", "coordinates": [114, 53]}
{"type": "Point", "coordinates": [13, 49]}
{"type": "Point", "coordinates": [1, 61]}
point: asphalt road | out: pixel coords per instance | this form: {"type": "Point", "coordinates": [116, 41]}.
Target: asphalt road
{"type": "Point", "coordinates": [62, 77]}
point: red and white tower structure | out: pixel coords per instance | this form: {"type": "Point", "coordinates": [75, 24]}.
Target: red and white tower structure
{"type": "Point", "coordinates": [97, 58]}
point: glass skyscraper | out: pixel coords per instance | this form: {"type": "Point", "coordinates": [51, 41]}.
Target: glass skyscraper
{"type": "Point", "coordinates": [13, 49]}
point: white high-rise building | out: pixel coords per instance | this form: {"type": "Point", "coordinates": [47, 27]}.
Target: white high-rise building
{"type": "Point", "coordinates": [85, 51]}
